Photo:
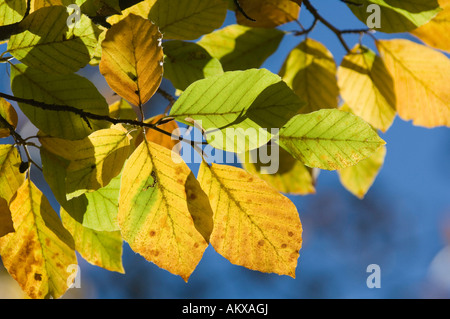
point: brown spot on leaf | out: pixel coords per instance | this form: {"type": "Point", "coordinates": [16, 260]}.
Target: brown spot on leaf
{"type": "Point", "coordinates": [283, 246]}
{"type": "Point", "coordinates": [152, 233]}
{"type": "Point", "coordinates": [196, 245]}
{"type": "Point", "coordinates": [37, 277]}
{"type": "Point", "coordinates": [290, 234]}
{"type": "Point", "coordinates": [261, 243]}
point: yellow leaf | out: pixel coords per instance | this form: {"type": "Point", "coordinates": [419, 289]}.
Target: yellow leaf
{"type": "Point", "coordinates": [39, 252]}
{"type": "Point", "coordinates": [292, 176]}
{"type": "Point", "coordinates": [359, 178]}
{"type": "Point", "coordinates": [6, 223]}
{"type": "Point", "coordinates": [310, 71]}
{"type": "Point", "coordinates": [267, 13]}
{"type": "Point", "coordinates": [122, 110]}
{"type": "Point", "coordinates": [421, 79]}
{"type": "Point", "coordinates": [254, 225]}
{"type": "Point", "coordinates": [163, 213]}
{"type": "Point", "coordinates": [100, 248]}
{"type": "Point", "coordinates": [9, 114]}
{"type": "Point", "coordinates": [367, 87]}
{"type": "Point", "coordinates": [10, 176]}
{"type": "Point", "coordinates": [94, 160]}
{"type": "Point", "coordinates": [132, 59]}
{"type": "Point", "coordinates": [37, 4]}
{"type": "Point", "coordinates": [436, 32]}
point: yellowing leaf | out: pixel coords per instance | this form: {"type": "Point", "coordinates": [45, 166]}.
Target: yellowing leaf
{"type": "Point", "coordinates": [291, 177]}
{"type": "Point", "coordinates": [359, 178]}
{"type": "Point", "coordinates": [94, 161]}
{"type": "Point", "coordinates": [132, 58]}
{"type": "Point", "coordinates": [310, 71]}
{"type": "Point", "coordinates": [367, 87]}
{"type": "Point", "coordinates": [100, 248]}
{"type": "Point", "coordinates": [163, 213]}
{"type": "Point", "coordinates": [122, 110]}
{"type": "Point", "coordinates": [39, 252]}
{"type": "Point", "coordinates": [6, 223]}
{"type": "Point", "coordinates": [421, 79]}
{"type": "Point", "coordinates": [9, 114]}
{"type": "Point", "coordinates": [267, 13]}
{"type": "Point", "coordinates": [10, 176]}
{"type": "Point", "coordinates": [254, 225]}
{"type": "Point", "coordinates": [436, 32]}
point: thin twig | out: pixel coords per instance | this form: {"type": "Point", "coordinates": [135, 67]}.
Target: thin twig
{"type": "Point", "coordinates": [336, 31]}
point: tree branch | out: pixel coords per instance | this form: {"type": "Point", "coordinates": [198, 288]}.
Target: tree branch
{"type": "Point", "coordinates": [86, 116]}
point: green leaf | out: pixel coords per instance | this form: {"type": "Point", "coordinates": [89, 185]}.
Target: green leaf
{"type": "Point", "coordinates": [329, 139]}
{"type": "Point", "coordinates": [367, 87]}
{"type": "Point", "coordinates": [94, 160]}
{"type": "Point", "coordinates": [238, 108]}
{"type": "Point", "coordinates": [187, 62]}
{"type": "Point", "coordinates": [239, 47]}
{"type": "Point", "coordinates": [396, 15]}
{"type": "Point", "coordinates": [71, 89]}
{"type": "Point", "coordinates": [187, 19]}
{"type": "Point", "coordinates": [49, 45]}
{"type": "Point", "coordinates": [12, 11]}
{"type": "Point", "coordinates": [96, 210]}
{"type": "Point", "coordinates": [100, 248]}
{"type": "Point", "coordinates": [310, 71]}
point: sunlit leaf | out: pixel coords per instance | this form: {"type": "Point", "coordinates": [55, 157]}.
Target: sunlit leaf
{"type": "Point", "coordinates": [291, 176]}
{"type": "Point", "coordinates": [70, 89]}
{"type": "Point", "coordinates": [187, 19]}
{"type": "Point", "coordinates": [239, 47]}
{"type": "Point", "coordinates": [329, 139]}
{"type": "Point", "coordinates": [421, 79]}
{"type": "Point", "coordinates": [94, 160]}
{"type": "Point", "coordinates": [96, 210]}
{"type": "Point", "coordinates": [254, 225]}
{"type": "Point", "coordinates": [240, 105]}
{"type": "Point", "coordinates": [132, 59]}
{"type": "Point", "coordinates": [10, 176]}
{"type": "Point", "coordinates": [100, 248]}
{"type": "Point", "coordinates": [39, 252]}
{"type": "Point", "coordinates": [310, 71]}
{"type": "Point", "coordinates": [12, 11]}
{"type": "Point", "coordinates": [187, 62]}
{"type": "Point", "coordinates": [9, 114]}
{"type": "Point", "coordinates": [49, 45]}
{"type": "Point", "coordinates": [435, 33]}
{"type": "Point", "coordinates": [122, 110]}
{"type": "Point", "coordinates": [359, 178]}
{"type": "Point", "coordinates": [395, 15]}
{"type": "Point", "coordinates": [161, 138]}
{"type": "Point", "coordinates": [163, 213]}
{"type": "Point", "coordinates": [367, 87]}
{"type": "Point", "coordinates": [267, 13]}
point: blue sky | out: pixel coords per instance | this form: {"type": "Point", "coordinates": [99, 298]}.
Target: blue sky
{"type": "Point", "coordinates": [400, 225]}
